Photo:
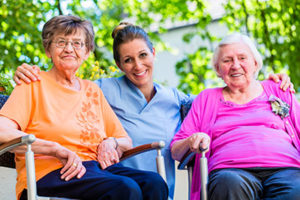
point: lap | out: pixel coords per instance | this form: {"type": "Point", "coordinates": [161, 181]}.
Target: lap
{"type": "Point", "coordinates": [97, 182]}
{"type": "Point", "coordinates": [284, 184]}
{"type": "Point", "coordinates": [264, 183]}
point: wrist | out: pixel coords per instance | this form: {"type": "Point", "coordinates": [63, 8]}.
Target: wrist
{"type": "Point", "coordinates": [115, 141]}
{"type": "Point", "coordinates": [117, 144]}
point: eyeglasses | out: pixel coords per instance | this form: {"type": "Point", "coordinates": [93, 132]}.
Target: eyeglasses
{"type": "Point", "coordinates": [63, 43]}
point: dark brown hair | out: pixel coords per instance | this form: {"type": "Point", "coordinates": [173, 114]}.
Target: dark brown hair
{"type": "Point", "coordinates": [67, 24]}
{"type": "Point", "coordinates": [126, 32]}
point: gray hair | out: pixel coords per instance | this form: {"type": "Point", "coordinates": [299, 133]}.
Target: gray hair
{"type": "Point", "coordinates": [68, 25]}
{"type": "Point", "coordinates": [238, 38]}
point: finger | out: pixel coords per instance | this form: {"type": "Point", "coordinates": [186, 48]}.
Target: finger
{"type": "Point", "coordinates": [30, 73]}
{"type": "Point", "coordinates": [205, 143]}
{"type": "Point", "coordinates": [21, 76]}
{"type": "Point", "coordinates": [17, 80]}
{"type": "Point", "coordinates": [36, 72]}
{"type": "Point", "coordinates": [36, 68]}
{"type": "Point", "coordinates": [116, 157]}
{"type": "Point", "coordinates": [69, 163]}
{"type": "Point", "coordinates": [73, 172]}
{"type": "Point", "coordinates": [273, 77]}
{"type": "Point", "coordinates": [288, 84]}
{"type": "Point", "coordinates": [102, 164]}
{"type": "Point", "coordinates": [292, 89]}
{"type": "Point", "coordinates": [195, 144]}
{"type": "Point", "coordinates": [285, 83]}
{"type": "Point", "coordinates": [107, 163]}
{"type": "Point", "coordinates": [81, 172]}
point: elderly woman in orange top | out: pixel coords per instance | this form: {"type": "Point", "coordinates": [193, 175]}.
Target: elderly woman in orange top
{"type": "Point", "coordinates": [79, 138]}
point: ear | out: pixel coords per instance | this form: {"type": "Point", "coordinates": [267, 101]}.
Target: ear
{"type": "Point", "coordinates": [217, 69]}
{"type": "Point", "coordinates": [48, 54]}
{"type": "Point", "coordinates": [153, 51]}
{"type": "Point", "coordinates": [86, 55]}
{"type": "Point", "coordinates": [119, 66]}
{"type": "Point", "coordinates": [256, 65]}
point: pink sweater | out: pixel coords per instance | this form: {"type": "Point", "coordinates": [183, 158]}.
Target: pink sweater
{"type": "Point", "coordinates": [244, 136]}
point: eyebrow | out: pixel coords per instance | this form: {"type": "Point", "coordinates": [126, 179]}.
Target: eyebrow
{"type": "Point", "coordinates": [75, 39]}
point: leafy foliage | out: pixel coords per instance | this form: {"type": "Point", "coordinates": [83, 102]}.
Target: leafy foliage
{"type": "Point", "coordinates": [6, 86]}
{"type": "Point", "coordinates": [274, 24]}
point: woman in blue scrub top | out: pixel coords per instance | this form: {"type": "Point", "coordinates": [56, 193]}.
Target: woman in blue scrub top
{"type": "Point", "coordinates": [148, 111]}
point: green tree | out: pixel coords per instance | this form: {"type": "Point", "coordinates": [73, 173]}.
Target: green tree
{"type": "Point", "coordinates": [273, 24]}
{"type": "Point", "coordinates": [21, 24]}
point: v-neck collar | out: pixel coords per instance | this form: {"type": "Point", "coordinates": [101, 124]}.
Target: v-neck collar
{"type": "Point", "coordinates": [145, 105]}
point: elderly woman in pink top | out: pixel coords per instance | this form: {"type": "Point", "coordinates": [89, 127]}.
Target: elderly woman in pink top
{"type": "Point", "coordinates": [251, 130]}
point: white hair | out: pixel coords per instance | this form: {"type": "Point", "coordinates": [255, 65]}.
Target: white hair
{"type": "Point", "coordinates": [238, 38]}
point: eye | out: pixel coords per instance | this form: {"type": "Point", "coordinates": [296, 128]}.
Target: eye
{"type": "Point", "coordinates": [61, 43]}
{"type": "Point", "coordinates": [143, 55]}
{"type": "Point", "coordinates": [127, 60]}
{"type": "Point", "coordinates": [226, 60]}
{"type": "Point", "coordinates": [77, 44]}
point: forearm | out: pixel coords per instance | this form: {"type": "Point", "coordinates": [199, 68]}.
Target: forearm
{"type": "Point", "coordinates": [124, 144]}
{"type": "Point", "coordinates": [39, 146]}
{"type": "Point", "coordinates": [179, 148]}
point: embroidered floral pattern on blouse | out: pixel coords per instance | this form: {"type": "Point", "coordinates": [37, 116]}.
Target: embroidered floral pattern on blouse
{"type": "Point", "coordinates": [88, 119]}
{"type": "Point", "coordinates": [279, 107]}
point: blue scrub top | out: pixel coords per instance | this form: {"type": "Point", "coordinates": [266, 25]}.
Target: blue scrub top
{"type": "Point", "coordinates": [146, 122]}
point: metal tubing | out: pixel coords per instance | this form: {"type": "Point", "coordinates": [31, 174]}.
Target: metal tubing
{"type": "Point", "coordinates": [160, 164]}
{"type": "Point", "coordinates": [190, 177]}
{"type": "Point", "coordinates": [204, 176]}
{"type": "Point", "coordinates": [30, 169]}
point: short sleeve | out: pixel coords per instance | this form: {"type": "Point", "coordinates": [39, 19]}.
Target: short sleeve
{"type": "Point", "coordinates": [98, 82]}
{"type": "Point", "coordinates": [19, 106]}
{"type": "Point", "coordinates": [183, 98]}
{"type": "Point", "coordinates": [113, 126]}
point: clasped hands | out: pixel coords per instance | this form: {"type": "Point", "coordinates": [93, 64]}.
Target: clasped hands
{"type": "Point", "coordinates": [107, 155]}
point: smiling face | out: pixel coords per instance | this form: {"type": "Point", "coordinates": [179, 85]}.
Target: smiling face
{"type": "Point", "coordinates": [68, 58]}
{"type": "Point", "coordinates": [136, 61]}
{"type": "Point", "coordinates": [236, 65]}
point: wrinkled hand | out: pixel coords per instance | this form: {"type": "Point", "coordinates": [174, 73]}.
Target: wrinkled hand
{"type": "Point", "coordinates": [27, 73]}
{"type": "Point", "coordinates": [197, 141]}
{"type": "Point", "coordinates": [107, 155]}
{"type": "Point", "coordinates": [285, 81]}
{"type": "Point", "coordinates": [72, 164]}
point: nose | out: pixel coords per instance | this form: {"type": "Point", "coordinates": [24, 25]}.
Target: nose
{"type": "Point", "coordinates": [236, 63]}
{"type": "Point", "coordinates": [138, 64]}
{"type": "Point", "coordinates": [68, 47]}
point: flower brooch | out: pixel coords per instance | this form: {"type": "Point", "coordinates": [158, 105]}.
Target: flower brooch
{"type": "Point", "coordinates": [279, 107]}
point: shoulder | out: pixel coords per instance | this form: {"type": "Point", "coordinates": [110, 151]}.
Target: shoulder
{"type": "Point", "coordinates": [210, 93]}
{"type": "Point", "coordinates": [170, 93]}
{"type": "Point", "coordinates": [272, 88]}
{"type": "Point", "coordinates": [34, 85]}
{"type": "Point", "coordinates": [90, 86]}
{"type": "Point", "coordinates": [108, 82]}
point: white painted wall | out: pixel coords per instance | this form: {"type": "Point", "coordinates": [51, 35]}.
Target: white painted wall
{"type": "Point", "coordinates": [7, 184]}
{"type": "Point", "coordinates": [165, 71]}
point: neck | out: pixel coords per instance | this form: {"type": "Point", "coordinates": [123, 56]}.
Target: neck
{"type": "Point", "coordinates": [67, 79]}
{"type": "Point", "coordinates": [243, 95]}
{"type": "Point", "coordinates": [148, 92]}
